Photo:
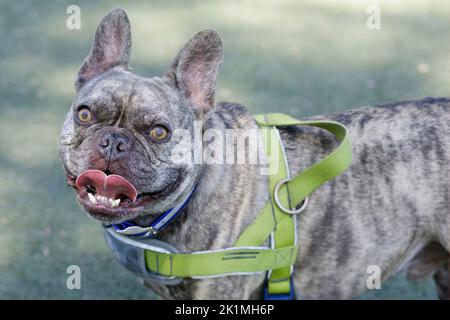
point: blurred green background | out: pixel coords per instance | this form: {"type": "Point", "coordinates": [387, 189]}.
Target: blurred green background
{"type": "Point", "coordinates": [299, 57]}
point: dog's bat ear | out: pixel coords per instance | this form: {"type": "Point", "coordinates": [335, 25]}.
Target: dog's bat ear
{"type": "Point", "coordinates": [194, 70]}
{"type": "Point", "coordinates": [111, 47]}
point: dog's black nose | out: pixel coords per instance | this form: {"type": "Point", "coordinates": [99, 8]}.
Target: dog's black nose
{"type": "Point", "coordinates": [114, 145]}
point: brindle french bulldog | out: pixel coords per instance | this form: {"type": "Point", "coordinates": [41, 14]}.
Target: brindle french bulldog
{"type": "Point", "coordinates": [390, 209]}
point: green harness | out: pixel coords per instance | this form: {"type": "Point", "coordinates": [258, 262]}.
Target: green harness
{"type": "Point", "coordinates": [277, 220]}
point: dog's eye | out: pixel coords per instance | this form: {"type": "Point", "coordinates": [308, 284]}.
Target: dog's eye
{"type": "Point", "coordinates": [84, 114]}
{"type": "Point", "coordinates": [159, 133]}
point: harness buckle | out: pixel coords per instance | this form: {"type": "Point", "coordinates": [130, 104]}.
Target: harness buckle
{"type": "Point", "coordinates": [278, 202]}
{"type": "Point", "coordinates": [131, 255]}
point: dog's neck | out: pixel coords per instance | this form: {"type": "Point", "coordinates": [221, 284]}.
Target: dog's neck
{"type": "Point", "coordinates": [227, 199]}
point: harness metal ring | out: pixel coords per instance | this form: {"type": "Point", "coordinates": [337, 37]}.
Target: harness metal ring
{"type": "Point", "coordinates": [278, 202]}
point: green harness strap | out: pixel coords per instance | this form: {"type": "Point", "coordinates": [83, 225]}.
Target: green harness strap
{"type": "Point", "coordinates": [284, 230]}
{"type": "Point", "coordinates": [248, 256]}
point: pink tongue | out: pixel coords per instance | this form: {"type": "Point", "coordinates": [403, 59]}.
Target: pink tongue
{"type": "Point", "coordinates": [112, 186]}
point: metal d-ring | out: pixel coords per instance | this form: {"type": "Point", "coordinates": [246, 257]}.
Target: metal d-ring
{"type": "Point", "coordinates": [277, 200]}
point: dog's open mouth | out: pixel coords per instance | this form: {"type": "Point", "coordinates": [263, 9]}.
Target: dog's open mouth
{"type": "Point", "coordinates": [111, 197]}
{"type": "Point", "coordinates": [103, 190]}
{"type": "Point", "coordinates": [108, 195]}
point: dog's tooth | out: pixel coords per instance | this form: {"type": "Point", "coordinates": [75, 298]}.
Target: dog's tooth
{"type": "Point", "coordinates": [115, 203]}
{"type": "Point", "coordinates": [92, 198]}
{"type": "Point", "coordinates": [101, 199]}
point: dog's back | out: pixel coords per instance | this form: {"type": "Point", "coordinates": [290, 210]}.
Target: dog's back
{"type": "Point", "coordinates": [391, 206]}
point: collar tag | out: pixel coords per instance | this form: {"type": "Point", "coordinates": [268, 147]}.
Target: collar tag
{"type": "Point", "coordinates": [137, 231]}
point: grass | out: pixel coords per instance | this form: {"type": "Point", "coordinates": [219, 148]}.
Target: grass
{"type": "Point", "coordinates": [299, 57]}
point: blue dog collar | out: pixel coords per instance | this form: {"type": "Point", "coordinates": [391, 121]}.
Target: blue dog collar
{"type": "Point", "coordinates": [131, 229]}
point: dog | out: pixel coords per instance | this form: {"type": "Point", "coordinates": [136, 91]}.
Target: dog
{"type": "Point", "coordinates": [390, 209]}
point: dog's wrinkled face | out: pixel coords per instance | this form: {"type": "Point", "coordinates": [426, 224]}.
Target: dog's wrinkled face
{"type": "Point", "coordinates": [116, 142]}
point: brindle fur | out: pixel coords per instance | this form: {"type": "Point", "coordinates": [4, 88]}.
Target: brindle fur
{"type": "Point", "coordinates": [390, 208]}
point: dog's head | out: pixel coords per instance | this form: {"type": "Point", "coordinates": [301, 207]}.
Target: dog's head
{"type": "Point", "coordinates": [116, 142]}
